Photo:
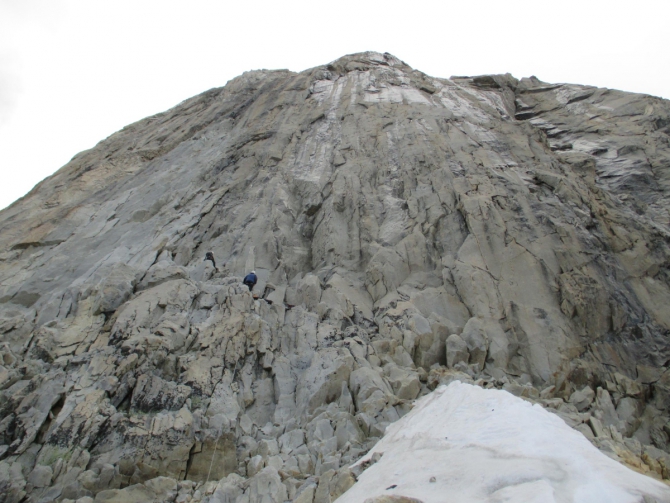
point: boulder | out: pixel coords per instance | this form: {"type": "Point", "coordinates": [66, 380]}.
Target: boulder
{"type": "Point", "coordinates": [162, 272]}
{"type": "Point", "coordinates": [309, 289]}
{"type": "Point", "coordinates": [40, 476]}
{"type": "Point", "coordinates": [255, 465]}
{"type": "Point", "coordinates": [457, 350]}
{"type": "Point", "coordinates": [582, 399]}
{"type": "Point", "coordinates": [476, 340]}
{"type": "Point", "coordinates": [322, 381]}
{"type": "Point", "coordinates": [266, 486]}
{"type": "Point", "coordinates": [112, 285]}
{"type": "Point", "coordinates": [404, 383]}
{"type": "Point", "coordinates": [370, 391]}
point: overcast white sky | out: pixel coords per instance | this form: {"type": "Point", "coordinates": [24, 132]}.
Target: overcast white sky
{"type": "Point", "coordinates": [72, 72]}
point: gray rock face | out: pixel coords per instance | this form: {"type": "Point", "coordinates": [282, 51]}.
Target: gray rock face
{"type": "Point", "coordinates": [151, 393]}
{"type": "Point", "coordinates": [399, 224]}
{"type": "Point", "coordinates": [41, 476]}
{"type": "Point", "coordinates": [457, 351]}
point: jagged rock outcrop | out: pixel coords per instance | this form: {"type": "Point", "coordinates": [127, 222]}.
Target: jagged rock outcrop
{"type": "Point", "coordinates": [406, 231]}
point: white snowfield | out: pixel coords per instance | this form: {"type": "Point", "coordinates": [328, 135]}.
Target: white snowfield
{"type": "Point", "coordinates": [490, 446]}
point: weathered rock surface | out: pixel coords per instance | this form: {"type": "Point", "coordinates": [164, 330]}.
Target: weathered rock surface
{"type": "Point", "coordinates": [407, 231]}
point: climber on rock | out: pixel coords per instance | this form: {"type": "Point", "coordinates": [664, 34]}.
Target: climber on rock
{"type": "Point", "coordinates": [250, 280]}
{"type": "Point", "coordinates": [210, 256]}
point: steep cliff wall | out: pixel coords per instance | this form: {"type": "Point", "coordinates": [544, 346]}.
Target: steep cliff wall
{"type": "Point", "coordinates": [405, 230]}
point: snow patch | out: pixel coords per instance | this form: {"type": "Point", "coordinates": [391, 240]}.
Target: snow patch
{"type": "Point", "coordinates": [490, 446]}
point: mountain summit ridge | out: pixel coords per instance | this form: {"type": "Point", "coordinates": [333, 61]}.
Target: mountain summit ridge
{"type": "Point", "coordinates": [406, 231]}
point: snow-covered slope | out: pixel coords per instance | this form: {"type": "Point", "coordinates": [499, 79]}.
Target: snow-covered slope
{"type": "Point", "coordinates": [466, 444]}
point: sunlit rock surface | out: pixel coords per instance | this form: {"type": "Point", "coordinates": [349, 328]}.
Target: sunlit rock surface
{"type": "Point", "coordinates": [406, 231]}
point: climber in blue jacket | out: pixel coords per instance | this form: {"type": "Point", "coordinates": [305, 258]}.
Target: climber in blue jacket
{"type": "Point", "coordinates": [250, 280]}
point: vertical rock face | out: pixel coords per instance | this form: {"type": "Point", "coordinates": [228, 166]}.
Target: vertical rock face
{"type": "Point", "coordinates": [513, 230]}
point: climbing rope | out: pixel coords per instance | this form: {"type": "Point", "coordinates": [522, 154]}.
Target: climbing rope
{"type": "Point", "coordinates": [212, 460]}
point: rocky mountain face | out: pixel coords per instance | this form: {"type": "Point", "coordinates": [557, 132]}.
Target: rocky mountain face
{"type": "Point", "coordinates": [406, 230]}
